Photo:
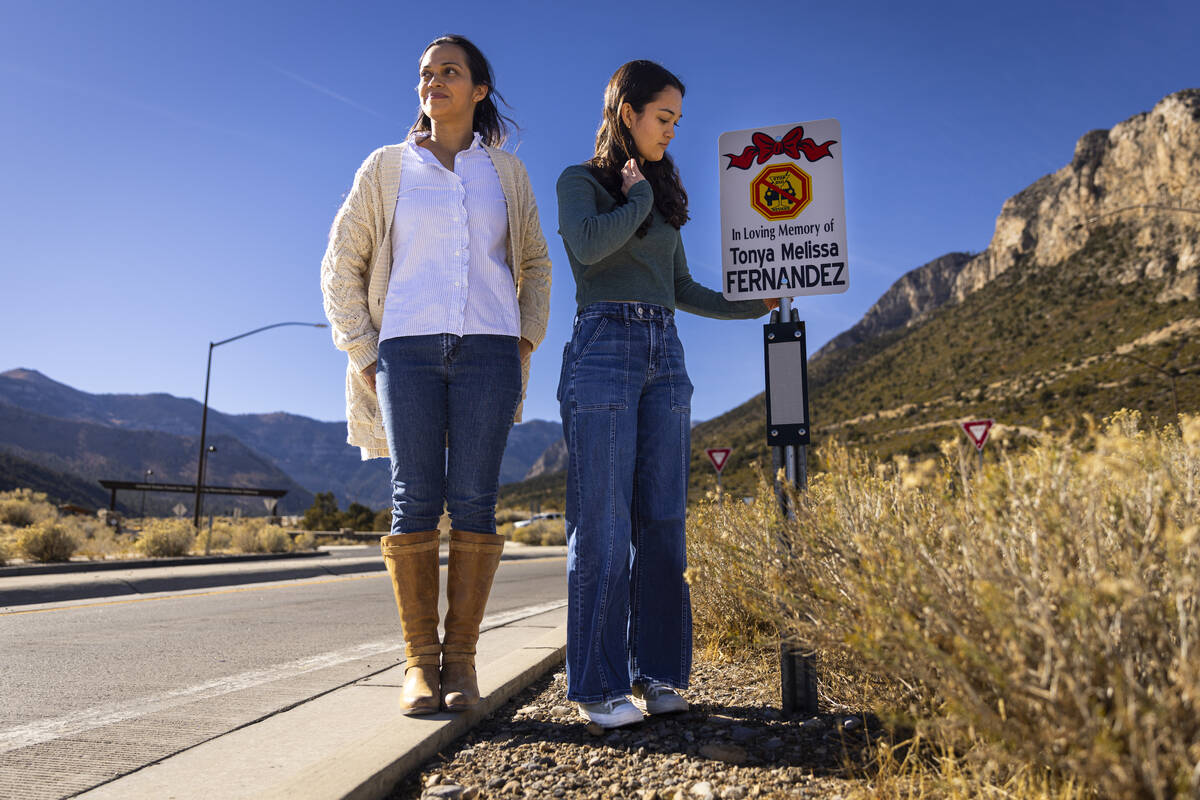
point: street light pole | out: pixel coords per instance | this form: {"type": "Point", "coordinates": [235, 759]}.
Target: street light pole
{"type": "Point", "coordinates": [212, 448]}
{"type": "Point", "coordinates": [204, 416]}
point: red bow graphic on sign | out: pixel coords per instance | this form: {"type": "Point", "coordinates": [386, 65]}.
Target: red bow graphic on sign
{"type": "Point", "coordinates": [793, 144]}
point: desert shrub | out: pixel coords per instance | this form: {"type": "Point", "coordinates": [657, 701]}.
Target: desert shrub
{"type": "Point", "coordinates": [16, 513]}
{"type": "Point", "coordinates": [244, 539]}
{"type": "Point", "coordinates": [274, 540]}
{"type": "Point", "coordinates": [218, 538]}
{"type": "Point", "coordinates": [257, 536]}
{"type": "Point", "coordinates": [94, 538]}
{"type": "Point", "coordinates": [305, 541]}
{"type": "Point", "coordinates": [166, 538]}
{"type": "Point", "coordinates": [1042, 615]}
{"type": "Point", "coordinates": [47, 541]}
{"type": "Point", "coordinates": [3, 554]}
{"type": "Point", "coordinates": [22, 508]}
{"type": "Point", "coordinates": [541, 532]}
{"type": "Point", "coordinates": [727, 552]}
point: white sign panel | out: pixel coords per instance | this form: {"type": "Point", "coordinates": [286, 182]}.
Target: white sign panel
{"type": "Point", "coordinates": [783, 211]}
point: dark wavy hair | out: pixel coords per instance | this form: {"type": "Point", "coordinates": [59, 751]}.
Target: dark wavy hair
{"type": "Point", "coordinates": [488, 122]}
{"type": "Point", "coordinates": [637, 83]}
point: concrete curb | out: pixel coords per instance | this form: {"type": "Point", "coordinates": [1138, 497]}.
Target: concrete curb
{"type": "Point", "coordinates": [147, 563]}
{"type": "Point", "coordinates": [382, 778]}
{"type": "Point", "coordinates": [351, 743]}
{"type": "Point", "coordinates": [25, 590]}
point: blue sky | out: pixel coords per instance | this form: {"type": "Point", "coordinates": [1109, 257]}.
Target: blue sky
{"type": "Point", "coordinates": [170, 170]}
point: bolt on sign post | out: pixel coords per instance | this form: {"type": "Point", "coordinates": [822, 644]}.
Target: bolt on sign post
{"type": "Point", "coordinates": [719, 456]}
{"type": "Point", "coordinates": [977, 431]}
{"type": "Point", "coordinates": [783, 235]}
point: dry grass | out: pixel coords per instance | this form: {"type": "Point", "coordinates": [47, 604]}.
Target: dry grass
{"type": "Point", "coordinates": [32, 528]}
{"type": "Point", "coordinates": [1037, 622]}
{"type": "Point", "coordinates": [21, 508]}
{"type": "Point", "coordinates": [539, 532]}
{"type": "Point", "coordinates": [166, 538]}
{"type": "Point", "coordinates": [46, 542]}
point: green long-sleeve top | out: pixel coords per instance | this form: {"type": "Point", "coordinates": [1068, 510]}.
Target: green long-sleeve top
{"type": "Point", "coordinates": [611, 263]}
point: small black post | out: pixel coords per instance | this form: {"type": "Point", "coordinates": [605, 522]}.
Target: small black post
{"type": "Point", "coordinates": [797, 668]}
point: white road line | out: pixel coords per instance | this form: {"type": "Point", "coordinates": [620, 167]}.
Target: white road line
{"type": "Point", "coordinates": [71, 724]}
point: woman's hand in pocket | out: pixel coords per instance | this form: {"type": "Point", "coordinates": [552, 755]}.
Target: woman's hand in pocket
{"type": "Point", "coordinates": [368, 373]}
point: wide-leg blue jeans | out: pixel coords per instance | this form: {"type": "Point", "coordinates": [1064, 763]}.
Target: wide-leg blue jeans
{"type": "Point", "coordinates": [448, 404]}
{"type": "Point", "coordinates": [625, 399]}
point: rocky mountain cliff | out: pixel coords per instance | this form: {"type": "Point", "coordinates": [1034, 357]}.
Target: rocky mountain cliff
{"type": "Point", "coordinates": [917, 293]}
{"type": "Point", "coordinates": [1145, 171]}
{"type": "Point", "coordinates": [554, 459]}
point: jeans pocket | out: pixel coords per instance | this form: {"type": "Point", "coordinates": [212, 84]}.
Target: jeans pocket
{"type": "Point", "coordinates": [599, 374]}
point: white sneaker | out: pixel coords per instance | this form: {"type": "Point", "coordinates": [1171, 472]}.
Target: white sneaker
{"type": "Point", "coordinates": [611, 713]}
{"type": "Point", "coordinates": [658, 698]}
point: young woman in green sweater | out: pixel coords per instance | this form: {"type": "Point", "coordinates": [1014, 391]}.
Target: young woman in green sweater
{"type": "Point", "coordinates": [625, 400]}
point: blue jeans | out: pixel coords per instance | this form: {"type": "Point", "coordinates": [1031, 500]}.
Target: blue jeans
{"type": "Point", "coordinates": [448, 404]}
{"type": "Point", "coordinates": [625, 399]}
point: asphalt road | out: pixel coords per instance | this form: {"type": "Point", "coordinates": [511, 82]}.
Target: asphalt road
{"type": "Point", "coordinates": [92, 691]}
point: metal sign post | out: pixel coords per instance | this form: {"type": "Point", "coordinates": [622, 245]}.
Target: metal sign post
{"type": "Point", "coordinates": [786, 362]}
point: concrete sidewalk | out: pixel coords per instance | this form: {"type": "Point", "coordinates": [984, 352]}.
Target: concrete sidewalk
{"type": "Point", "coordinates": [352, 742]}
{"type": "Point", "coordinates": [21, 591]}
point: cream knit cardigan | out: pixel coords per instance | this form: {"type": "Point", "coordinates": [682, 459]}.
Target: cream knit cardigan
{"type": "Point", "coordinates": [358, 263]}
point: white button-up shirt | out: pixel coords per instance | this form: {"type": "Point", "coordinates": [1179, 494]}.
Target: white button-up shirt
{"type": "Point", "coordinates": [449, 239]}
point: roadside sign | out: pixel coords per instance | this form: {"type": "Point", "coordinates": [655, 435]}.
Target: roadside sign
{"type": "Point", "coordinates": [180, 509]}
{"type": "Point", "coordinates": [783, 211]}
{"type": "Point", "coordinates": [977, 431]}
{"type": "Point", "coordinates": [718, 456]}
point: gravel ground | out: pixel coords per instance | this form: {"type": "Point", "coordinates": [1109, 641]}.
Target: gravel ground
{"type": "Point", "coordinates": [732, 743]}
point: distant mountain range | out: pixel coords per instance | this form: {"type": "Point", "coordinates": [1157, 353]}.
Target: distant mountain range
{"type": "Point", "coordinates": [1084, 302]}
{"type": "Point", "coordinates": [120, 436]}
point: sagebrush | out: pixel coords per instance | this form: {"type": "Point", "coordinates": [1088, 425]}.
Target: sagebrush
{"type": "Point", "coordinates": [163, 538]}
{"type": "Point", "coordinates": [1042, 614]}
{"type": "Point", "coordinates": [47, 541]}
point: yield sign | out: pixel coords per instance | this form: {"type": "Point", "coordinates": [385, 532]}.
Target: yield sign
{"type": "Point", "coordinates": [718, 456]}
{"type": "Point", "coordinates": [977, 431]}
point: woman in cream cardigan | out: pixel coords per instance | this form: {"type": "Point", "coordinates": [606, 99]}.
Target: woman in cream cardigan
{"type": "Point", "coordinates": [437, 284]}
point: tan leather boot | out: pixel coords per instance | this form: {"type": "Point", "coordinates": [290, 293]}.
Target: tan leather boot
{"type": "Point", "coordinates": [412, 561]}
{"type": "Point", "coordinates": [473, 561]}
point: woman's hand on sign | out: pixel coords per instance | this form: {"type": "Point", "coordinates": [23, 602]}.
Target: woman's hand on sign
{"type": "Point", "coordinates": [368, 373]}
{"type": "Point", "coordinates": [631, 174]}
{"type": "Point", "coordinates": [772, 303]}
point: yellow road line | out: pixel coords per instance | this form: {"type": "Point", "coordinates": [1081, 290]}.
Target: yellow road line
{"type": "Point", "coordinates": [262, 588]}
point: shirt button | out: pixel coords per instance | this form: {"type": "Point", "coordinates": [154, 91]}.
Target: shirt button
{"type": "Point", "coordinates": [639, 311]}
